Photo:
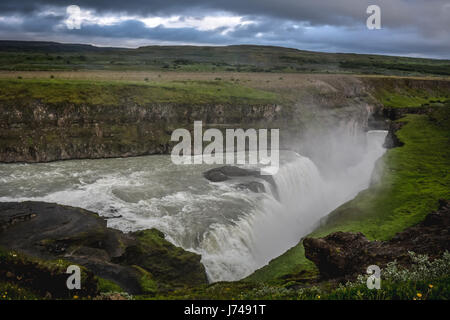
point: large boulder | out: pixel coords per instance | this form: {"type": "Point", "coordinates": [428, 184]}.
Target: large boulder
{"type": "Point", "coordinates": [345, 254]}
{"type": "Point", "coordinates": [227, 172]}
{"type": "Point", "coordinates": [141, 262]}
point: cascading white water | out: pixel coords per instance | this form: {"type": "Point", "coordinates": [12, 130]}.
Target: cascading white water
{"type": "Point", "coordinates": [270, 227]}
{"type": "Point", "coordinates": [274, 226]}
{"type": "Point", "coordinates": [236, 231]}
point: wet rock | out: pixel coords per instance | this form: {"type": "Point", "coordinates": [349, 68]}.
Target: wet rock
{"type": "Point", "coordinates": [232, 172]}
{"type": "Point", "coordinates": [227, 172]}
{"type": "Point", "coordinates": [254, 186]}
{"type": "Point", "coordinates": [215, 176]}
{"type": "Point", "coordinates": [345, 254]}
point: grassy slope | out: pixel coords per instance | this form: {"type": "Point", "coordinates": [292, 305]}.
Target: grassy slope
{"type": "Point", "coordinates": [413, 178]}
{"type": "Point", "coordinates": [114, 93]}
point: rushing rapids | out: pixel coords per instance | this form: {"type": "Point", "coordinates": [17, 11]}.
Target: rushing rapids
{"type": "Point", "coordinates": [236, 231]}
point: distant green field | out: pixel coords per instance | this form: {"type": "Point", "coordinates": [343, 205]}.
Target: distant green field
{"type": "Point", "coordinates": [404, 93]}
{"type": "Point", "coordinates": [41, 56]}
{"type": "Point", "coordinates": [413, 178]}
{"type": "Point", "coordinates": [116, 92]}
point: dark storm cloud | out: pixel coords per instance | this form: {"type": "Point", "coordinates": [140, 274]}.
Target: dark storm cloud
{"type": "Point", "coordinates": [410, 27]}
{"type": "Point", "coordinates": [428, 15]}
{"type": "Point", "coordinates": [138, 30]}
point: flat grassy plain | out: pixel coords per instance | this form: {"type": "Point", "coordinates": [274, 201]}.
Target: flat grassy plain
{"type": "Point", "coordinates": [104, 92]}
{"type": "Point", "coordinates": [217, 86]}
{"type": "Point", "coordinates": [272, 79]}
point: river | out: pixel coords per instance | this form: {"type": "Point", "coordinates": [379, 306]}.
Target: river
{"type": "Point", "coordinates": [235, 230]}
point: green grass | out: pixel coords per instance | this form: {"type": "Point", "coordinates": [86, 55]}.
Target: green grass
{"type": "Point", "coordinates": [413, 98]}
{"type": "Point", "coordinates": [53, 91]}
{"type": "Point", "coordinates": [412, 179]}
{"type": "Point", "coordinates": [405, 93]}
{"type": "Point", "coordinates": [436, 289]}
{"type": "Point", "coordinates": [148, 285]}
{"type": "Point", "coordinates": [105, 285]}
{"type": "Point", "coordinates": [11, 291]}
{"type": "Point", "coordinates": [423, 279]}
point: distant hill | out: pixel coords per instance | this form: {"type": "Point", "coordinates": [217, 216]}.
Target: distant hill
{"type": "Point", "coordinates": [34, 55]}
{"type": "Point", "coordinates": [44, 46]}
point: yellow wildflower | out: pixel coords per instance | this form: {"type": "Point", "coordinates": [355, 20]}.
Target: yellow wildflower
{"type": "Point", "coordinates": [419, 294]}
{"type": "Point", "coordinates": [430, 285]}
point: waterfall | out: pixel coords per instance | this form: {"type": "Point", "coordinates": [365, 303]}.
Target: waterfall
{"type": "Point", "coordinates": [233, 251]}
{"type": "Point", "coordinates": [271, 227]}
{"type": "Point", "coordinates": [296, 180]}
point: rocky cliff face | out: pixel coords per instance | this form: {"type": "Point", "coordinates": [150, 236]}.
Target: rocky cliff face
{"type": "Point", "coordinates": [45, 132]}
{"type": "Point", "coordinates": [42, 133]}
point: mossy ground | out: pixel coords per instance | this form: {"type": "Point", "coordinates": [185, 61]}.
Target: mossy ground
{"type": "Point", "coordinates": [407, 93]}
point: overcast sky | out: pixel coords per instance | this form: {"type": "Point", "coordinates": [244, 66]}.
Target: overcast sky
{"type": "Point", "coordinates": [409, 27]}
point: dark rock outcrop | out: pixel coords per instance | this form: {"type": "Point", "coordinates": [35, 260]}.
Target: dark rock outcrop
{"type": "Point", "coordinates": [397, 113]}
{"type": "Point", "coordinates": [392, 141]}
{"type": "Point", "coordinates": [226, 172]}
{"type": "Point", "coordinates": [140, 262]}
{"type": "Point", "coordinates": [254, 186]}
{"type": "Point", "coordinates": [230, 172]}
{"type": "Point", "coordinates": [346, 254]}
